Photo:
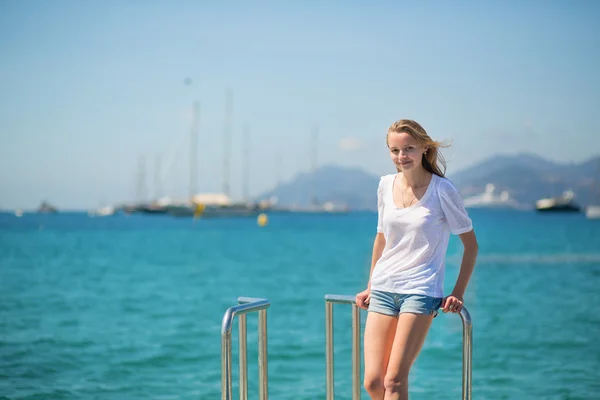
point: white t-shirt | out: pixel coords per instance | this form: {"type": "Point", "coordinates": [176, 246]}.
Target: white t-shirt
{"type": "Point", "coordinates": [413, 259]}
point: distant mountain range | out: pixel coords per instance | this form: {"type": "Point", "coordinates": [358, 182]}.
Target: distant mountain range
{"type": "Point", "coordinates": [351, 187]}
{"type": "Point", "coordinates": [529, 177]}
{"type": "Point", "coordinates": [526, 177]}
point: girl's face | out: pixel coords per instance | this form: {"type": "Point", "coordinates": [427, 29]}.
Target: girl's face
{"type": "Point", "coordinates": [405, 151]}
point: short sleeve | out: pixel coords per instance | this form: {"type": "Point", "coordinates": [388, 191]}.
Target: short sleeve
{"type": "Point", "coordinates": [454, 208]}
{"type": "Point", "coordinates": [380, 206]}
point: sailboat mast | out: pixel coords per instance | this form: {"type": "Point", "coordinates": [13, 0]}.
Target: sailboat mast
{"type": "Point", "coordinates": [227, 140]}
{"type": "Point", "coordinates": [141, 180]}
{"type": "Point", "coordinates": [314, 161]}
{"type": "Point", "coordinates": [157, 180]}
{"type": "Point", "coordinates": [194, 148]}
{"type": "Point", "coordinates": [278, 166]}
{"type": "Point", "coordinates": [246, 166]}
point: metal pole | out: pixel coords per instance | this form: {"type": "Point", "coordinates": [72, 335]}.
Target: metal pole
{"type": "Point", "coordinates": [226, 357]}
{"type": "Point", "coordinates": [246, 305]}
{"type": "Point", "coordinates": [329, 348]}
{"type": "Point", "coordinates": [467, 352]}
{"type": "Point", "coordinates": [243, 357]}
{"type": "Point", "coordinates": [330, 299]}
{"type": "Point", "coordinates": [355, 352]}
{"type": "Point", "coordinates": [263, 371]}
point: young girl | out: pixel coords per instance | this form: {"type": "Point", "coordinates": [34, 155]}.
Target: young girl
{"type": "Point", "coordinates": [417, 210]}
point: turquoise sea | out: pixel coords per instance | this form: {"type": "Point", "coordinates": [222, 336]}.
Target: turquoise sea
{"type": "Point", "coordinates": [131, 307]}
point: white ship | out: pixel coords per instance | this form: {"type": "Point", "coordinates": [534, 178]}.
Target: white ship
{"type": "Point", "coordinates": [102, 211]}
{"type": "Point", "coordinates": [490, 199]}
{"type": "Point", "coordinates": [563, 203]}
{"type": "Point", "coordinates": [592, 211]}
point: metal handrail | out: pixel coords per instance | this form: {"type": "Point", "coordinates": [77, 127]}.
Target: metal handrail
{"type": "Point", "coordinates": [245, 305]}
{"type": "Point", "coordinates": [330, 299]}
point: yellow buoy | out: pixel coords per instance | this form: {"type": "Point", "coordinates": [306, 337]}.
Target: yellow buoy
{"type": "Point", "coordinates": [199, 210]}
{"type": "Point", "coordinates": [262, 219]}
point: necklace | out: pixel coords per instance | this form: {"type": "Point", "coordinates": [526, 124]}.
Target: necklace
{"type": "Point", "coordinates": [414, 197]}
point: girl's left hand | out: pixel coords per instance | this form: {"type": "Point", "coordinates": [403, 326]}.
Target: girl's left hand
{"type": "Point", "coordinates": [452, 303]}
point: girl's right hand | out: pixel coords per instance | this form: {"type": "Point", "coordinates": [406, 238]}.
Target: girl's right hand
{"type": "Point", "coordinates": [363, 299]}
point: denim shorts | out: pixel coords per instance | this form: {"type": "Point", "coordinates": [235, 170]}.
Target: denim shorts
{"type": "Point", "coordinates": [394, 304]}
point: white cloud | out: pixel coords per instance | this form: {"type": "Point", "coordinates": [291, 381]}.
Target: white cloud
{"type": "Point", "coordinates": [349, 144]}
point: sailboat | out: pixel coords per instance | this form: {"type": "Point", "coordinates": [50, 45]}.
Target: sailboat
{"type": "Point", "coordinates": [211, 205]}
{"type": "Point", "coordinates": [592, 211]}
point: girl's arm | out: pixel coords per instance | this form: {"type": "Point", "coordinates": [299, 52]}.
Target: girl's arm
{"type": "Point", "coordinates": [364, 298]}
{"type": "Point", "coordinates": [454, 302]}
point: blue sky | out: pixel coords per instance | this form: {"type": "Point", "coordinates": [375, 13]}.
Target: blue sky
{"type": "Point", "coordinates": [87, 88]}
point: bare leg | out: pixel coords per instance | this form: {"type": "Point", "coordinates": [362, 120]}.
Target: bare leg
{"type": "Point", "coordinates": [408, 340]}
{"type": "Point", "coordinates": [379, 337]}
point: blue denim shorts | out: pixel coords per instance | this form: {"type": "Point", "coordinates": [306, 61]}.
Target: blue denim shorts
{"type": "Point", "coordinates": [394, 304]}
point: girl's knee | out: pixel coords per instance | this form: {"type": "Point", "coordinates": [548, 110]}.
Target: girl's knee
{"type": "Point", "coordinates": [373, 385]}
{"type": "Point", "coordinates": [395, 382]}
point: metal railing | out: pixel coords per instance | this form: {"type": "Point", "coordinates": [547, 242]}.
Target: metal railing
{"type": "Point", "coordinates": [245, 305]}
{"type": "Point", "coordinates": [330, 299]}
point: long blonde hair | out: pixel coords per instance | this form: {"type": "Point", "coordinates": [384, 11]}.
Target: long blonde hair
{"type": "Point", "coordinates": [433, 160]}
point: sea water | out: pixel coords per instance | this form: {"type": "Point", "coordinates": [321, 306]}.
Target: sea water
{"type": "Point", "coordinates": [131, 307]}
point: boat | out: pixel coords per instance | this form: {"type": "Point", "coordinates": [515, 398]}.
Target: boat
{"type": "Point", "coordinates": [102, 212]}
{"type": "Point", "coordinates": [46, 208]}
{"type": "Point", "coordinates": [213, 205]}
{"type": "Point", "coordinates": [562, 203]}
{"type": "Point", "coordinates": [214, 211]}
{"type": "Point", "coordinates": [152, 208]}
{"type": "Point", "coordinates": [490, 199]}
{"type": "Point", "coordinates": [592, 211]}
{"type": "Point", "coordinates": [160, 206]}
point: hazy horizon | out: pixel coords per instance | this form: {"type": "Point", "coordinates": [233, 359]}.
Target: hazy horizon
{"type": "Point", "coordinates": [449, 175]}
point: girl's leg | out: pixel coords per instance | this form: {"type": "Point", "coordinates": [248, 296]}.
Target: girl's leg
{"type": "Point", "coordinates": [378, 340]}
{"type": "Point", "coordinates": [408, 340]}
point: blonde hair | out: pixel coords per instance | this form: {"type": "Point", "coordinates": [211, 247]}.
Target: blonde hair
{"type": "Point", "coordinates": [433, 160]}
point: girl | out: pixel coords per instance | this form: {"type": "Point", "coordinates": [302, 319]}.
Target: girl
{"type": "Point", "coordinates": [417, 210]}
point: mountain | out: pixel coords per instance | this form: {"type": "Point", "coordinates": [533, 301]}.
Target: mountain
{"type": "Point", "coordinates": [351, 187]}
{"type": "Point", "coordinates": [529, 177]}
{"type": "Point", "coordinates": [526, 177]}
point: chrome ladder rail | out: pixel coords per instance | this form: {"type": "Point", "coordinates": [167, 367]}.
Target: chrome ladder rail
{"type": "Point", "coordinates": [331, 299]}
{"type": "Point", "coordinates": [248, 304]}
{"type": "Point", "coordinates": [245, 305]}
